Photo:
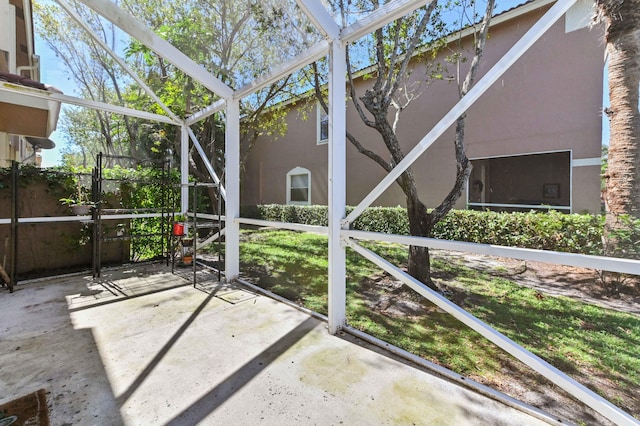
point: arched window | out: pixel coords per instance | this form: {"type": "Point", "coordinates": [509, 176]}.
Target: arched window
{"type": "Point", "coordinates": [299, 186]}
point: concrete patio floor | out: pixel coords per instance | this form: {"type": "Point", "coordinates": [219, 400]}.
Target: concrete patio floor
{"type": "Point", "coordinates": [140, 346]}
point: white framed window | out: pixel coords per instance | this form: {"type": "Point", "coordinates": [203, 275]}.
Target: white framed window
{"type": "Point", "coordinates": [299, 187]}
{"type": "Point", "coordinates": [322, 127]}
{"type": "Point", "coordinates": [498, 183]}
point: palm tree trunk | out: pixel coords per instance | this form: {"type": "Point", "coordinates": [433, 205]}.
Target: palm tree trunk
{"type": "Point", "coordinates": [622, 195]}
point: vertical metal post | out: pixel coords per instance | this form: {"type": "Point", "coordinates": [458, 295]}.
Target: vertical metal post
{"type": "Point", "coordinates": [184, 169]}
{"type": "Point", "coordinates": [97, 218]}
{"type": "Point", "coordinates": [165, 223]}
{"type": "Point", "coordinates": [173, 239]}
{"type": "Point", "coordinates": [218, 243]}
{"type": "Point", "coordinates": [14, 226]}
{"type": "Point", "coordinates": [194, 245]}
{"type": "Point", "coordinates": [94, 216]}
{"type": "Point", "coordinates": [337, 185]}
{"type": "Point", "coordinates": [232, 185]}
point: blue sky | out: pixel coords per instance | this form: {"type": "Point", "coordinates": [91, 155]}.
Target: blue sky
{"type": "Point", "coordinates": [53, 72]}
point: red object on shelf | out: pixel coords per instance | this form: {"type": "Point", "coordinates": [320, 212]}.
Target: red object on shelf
{"type": "Point", "coordinates": [178, 229]}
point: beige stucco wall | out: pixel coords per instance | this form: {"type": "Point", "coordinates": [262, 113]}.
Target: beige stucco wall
{"type": "Point", "coordinates": [585, 181]}
{"type": "Point", "coordinates": [22, 57]}
{"type": "Point", "coordinates": [550, 100]}
{"type": "Point", "coordinates": [6, 152]}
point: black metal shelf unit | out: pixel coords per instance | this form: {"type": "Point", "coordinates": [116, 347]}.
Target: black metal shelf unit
{"type": "Point", "coordinates": [189, 240]}
{"type": "Point", "coordinates": [101, 214]}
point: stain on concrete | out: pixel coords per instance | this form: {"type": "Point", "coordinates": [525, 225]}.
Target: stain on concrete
{"type": "Point", "coordinates": [413, 403]}
{"type": "Point", "coordinates": [331, 371]}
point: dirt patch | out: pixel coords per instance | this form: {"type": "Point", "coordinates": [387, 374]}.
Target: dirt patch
{"type": "Point", "coordinates": [557, 280]}
{"type": "Point", "coordinates": [390, 297]}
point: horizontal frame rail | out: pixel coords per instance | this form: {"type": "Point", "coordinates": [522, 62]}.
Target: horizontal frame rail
{"type": "Point", "coordinates": [380, 17]}
{"type": "Point", "coordinates": [83, 218]}
{"type": "Point", "coordinates": [207, 216]}
{"type": "Point", "coordinates": [215, 107]}
{"type": "Point", "coordinates": [284, 225]}
{"type": "Point", "coordinates": [131, 216]}
{"type": "Point", "coordinates": [131, 237]}
{"type": "Point", "coordinates": [624, 266]}
{"type": "Point", "coordinates": [576, 389]}
{"type": "Point", "coordinates": [106, 212]}
{"type": "Point", "coordinates": [312, 54]}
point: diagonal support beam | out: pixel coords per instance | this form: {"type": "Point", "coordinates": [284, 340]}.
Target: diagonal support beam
{"type": "Point", "coordinates": [320, 18]}
{"type": "Point", "coordinates": [576, 389]}
{"type": "Point", "coordinates": [139, 31]}
{"type": "Point", "coordinates": [212, 238]}
{"type": "Point", "coordinates": [15, 90]}
{"type": "Point", "coordinates": [537, 30]}
{"type": "Point", "coordinates": [217, 106]}
{"type": "Point", "coordinates": [73, 14]}
{"type": "Point", "coordinates": [621, 265]}
{"type": "Point", "coordinates": [380, 17]}
{"type": "Point", "coordinates": [206, 162]}
{"type": "Point", "coordinates": [312, 54]}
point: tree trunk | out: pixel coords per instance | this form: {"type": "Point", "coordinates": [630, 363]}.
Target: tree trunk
{"type": "Point", "coordinates": [420, 222]}
{"type": "Point", "coordinates": [622, 195]}
{"type": "Point", "coordinates": [419, 258]}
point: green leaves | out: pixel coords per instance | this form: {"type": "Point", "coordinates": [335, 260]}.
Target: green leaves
{"type": "Point", "coordinates": [553, 230]}
{"type": "Point", "coordinates": [623, 239]}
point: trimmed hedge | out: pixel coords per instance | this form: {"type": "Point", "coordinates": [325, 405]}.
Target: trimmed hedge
{"type": "Point", "coordinates": [555, 231]}
{"type": "Point", "coordinates": [573, 233]}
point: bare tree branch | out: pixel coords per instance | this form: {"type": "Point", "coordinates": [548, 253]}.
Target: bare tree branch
{"type": "Point", "coordinates": [354, 96]}
{"type": "Point", "coordinates": [463, 166]}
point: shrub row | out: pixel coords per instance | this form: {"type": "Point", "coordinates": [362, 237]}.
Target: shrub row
{"type": "Point", "coordinates": [547, 231]}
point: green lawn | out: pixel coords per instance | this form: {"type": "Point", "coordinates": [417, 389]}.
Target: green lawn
{"type": "Point", "coordinates": [599, 347]}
